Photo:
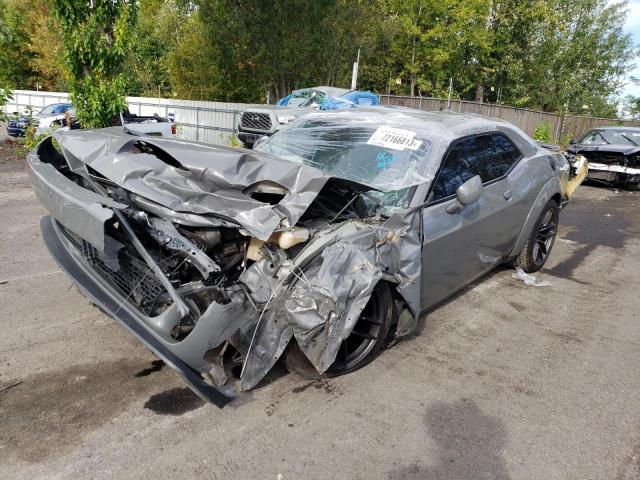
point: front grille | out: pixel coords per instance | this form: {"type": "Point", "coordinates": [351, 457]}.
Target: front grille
{"type": "Point", "coordinates": [133, 278]}
{"type": "Point", "coordinates": [257, 121]}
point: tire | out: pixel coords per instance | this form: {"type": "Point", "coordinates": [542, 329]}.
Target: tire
{"type": "Point", "coordinates": [357, 350]}
{"type": "Point", "coordinates": [538, 246]}
{"type": "Point", "coordinates": [633, 187]}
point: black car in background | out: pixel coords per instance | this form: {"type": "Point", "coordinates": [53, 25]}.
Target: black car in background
{"type": "Point", "coordinates": [18, 125]}
{"type": "Point", "coordinates": [613, 154]}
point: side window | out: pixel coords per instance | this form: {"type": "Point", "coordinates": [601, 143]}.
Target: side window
{"type": "Point", "coordinates": [504, 155]}
{"type": "Point", "coordinates": [490, 156]}
{"type": "Point", "coordinates": [455, 170]}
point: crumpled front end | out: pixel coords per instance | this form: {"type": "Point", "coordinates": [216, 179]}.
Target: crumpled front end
{"type": "Point", "coordinates": [611, 164]}
{"type": "Point", "coordinates": [216, 259]}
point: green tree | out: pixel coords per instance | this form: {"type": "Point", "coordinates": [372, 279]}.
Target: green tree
{"type": "Point", "coordinates": [5, 95]}
{"type": "Point", "coordinates": [96, 36]}
{"type": "Point", "coordinates": [274, 47]}
{"type": "Point", "coordinates": [15, 57]}
{"type": "Point", "coordinates": [632, 107]}
{"type": "Point", "coordinates": [30, 49]}
{"type": "Point", "coordinates": [579, 52]}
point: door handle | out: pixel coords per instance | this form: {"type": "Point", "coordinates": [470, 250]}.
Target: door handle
{"type": "Point", "coordinates": [507, 194]}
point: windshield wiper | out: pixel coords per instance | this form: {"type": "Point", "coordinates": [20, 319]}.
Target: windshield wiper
{"type": "Point", "coordinates": [628, 139]}
{"type": "Point", "coordinates": [605, 140]}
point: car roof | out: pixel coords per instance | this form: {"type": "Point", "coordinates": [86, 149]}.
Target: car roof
{"type": "Point", "coordinates": [453, 123]}
{"type": "Point", "coordinates": [441, 127]}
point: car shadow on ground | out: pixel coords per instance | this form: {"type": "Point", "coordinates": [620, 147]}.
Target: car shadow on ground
{"type": "Point", "coordinates": [468, 443]}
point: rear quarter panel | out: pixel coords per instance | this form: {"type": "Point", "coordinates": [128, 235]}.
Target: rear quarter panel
{"type": "Point", "coordinates": [533, 182]}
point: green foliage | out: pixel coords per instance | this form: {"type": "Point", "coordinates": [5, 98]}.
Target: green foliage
{"type": "Point", "coordinates": [235, 142]}
{"type": "Point", "coordinates": [31, 140]}
{"type": "Point", "coordinates": [5, 95]}
{"type": "Point", "coordinates": [278, 46]}
{"type": "Point", "coordinates": [565, 138]}
{"type": "Point", "coordinates": [543, 133]}
{"type": "Point", "coordinates": [30, 49]}
{"type": "Point", "coordinates": [555, 55]}
{"type": "Point", "coordinates": [96, 37]}
{"type": "Point", "coordinates": [632, 107]}
{"type": "Point", "coordinates": [14, 58]}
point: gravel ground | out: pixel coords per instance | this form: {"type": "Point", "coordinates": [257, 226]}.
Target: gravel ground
{"type": "Point", "coordinates": [503, 381]}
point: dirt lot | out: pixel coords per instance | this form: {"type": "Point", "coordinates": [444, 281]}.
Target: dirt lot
{"type": "Point", "coordinates": [504, 381]}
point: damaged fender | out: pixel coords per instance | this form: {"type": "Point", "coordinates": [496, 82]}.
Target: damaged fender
{"type": "Point", "coordinates": [323, 304]}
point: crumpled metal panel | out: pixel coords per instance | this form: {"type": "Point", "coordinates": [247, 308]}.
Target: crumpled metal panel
{"type": "Point", "coordinates": [320, 311]}
{"type": "Point", "coordinates": [323, 305]}
{"type": "Point", "coordinates": [80, 210]}
{"type": "Point", "coordinates": [203, 179]}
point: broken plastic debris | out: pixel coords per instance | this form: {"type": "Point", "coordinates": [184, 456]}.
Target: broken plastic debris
{"type": "Point", "coordinates": [487, 259]}
{"type": "Point", "coordinates": [608, 215]}
{"type": "Point", "coordinates": [528, 279]}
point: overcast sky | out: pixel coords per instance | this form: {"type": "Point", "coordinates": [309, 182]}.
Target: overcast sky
{"type": "Point", "coordinates": [633, 27]}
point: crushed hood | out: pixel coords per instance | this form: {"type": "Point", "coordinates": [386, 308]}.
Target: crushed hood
{"type": "Point", "coordinates": [608, 148]}
{"type": "Point", "coordinates": [196, 178]}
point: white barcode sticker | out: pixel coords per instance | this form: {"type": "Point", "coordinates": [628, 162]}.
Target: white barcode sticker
{"type": "Point", "coordinates": [394, 138]}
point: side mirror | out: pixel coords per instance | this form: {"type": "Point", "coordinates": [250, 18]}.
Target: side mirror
{"type": "Point", "coordinates": [466, 194]}
{"type": "Point", "coordinates": [572, 141]}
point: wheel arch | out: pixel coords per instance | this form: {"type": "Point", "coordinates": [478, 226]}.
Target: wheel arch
{"type": "Point", "coordinates": [550, 191]}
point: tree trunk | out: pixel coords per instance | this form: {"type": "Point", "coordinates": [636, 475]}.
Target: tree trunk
{"type": "Point", "coordinates": [480, 91]}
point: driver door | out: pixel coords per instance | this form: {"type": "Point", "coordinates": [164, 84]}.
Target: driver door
{"type": "Point", "coordinates": [459, 247]}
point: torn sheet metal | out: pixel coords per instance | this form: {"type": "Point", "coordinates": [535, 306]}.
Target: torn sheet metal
{"type": "Point", "coordinates": [328, 294]}
{"type": "Point", "coordinates": [320, 311]}
{"type": "Point", "coordinates": [195, 178]}
{"type": "Point", "coordinates": [167, 235]}
{"type": "Point", "coordinates": [579, 169]}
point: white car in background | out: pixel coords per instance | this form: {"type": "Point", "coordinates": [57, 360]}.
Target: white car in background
{"type": "Point", "coordinates": [55, 116]}
{"type": "Point", "coordinates": [62, 116]}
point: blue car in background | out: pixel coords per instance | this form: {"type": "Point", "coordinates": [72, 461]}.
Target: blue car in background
{"type": "Point", "coordinates": [265, 120]}
{"type": "Point", "coordinates": [328, 98]}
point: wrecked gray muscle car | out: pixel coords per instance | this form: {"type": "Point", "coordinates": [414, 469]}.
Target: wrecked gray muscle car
{"type": "Point", "coordinates": [319, 248]}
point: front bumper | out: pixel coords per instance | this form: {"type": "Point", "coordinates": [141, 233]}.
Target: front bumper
{"type": "Point", "coordinates": [114, 305]}
{"type": "Point", "coordinates": [613, 173]}
{"type": "Point", "coordinates": [249, 138]}
{"type": "Point", "coordinates": [16, 131]}
{"type": "Point", "coordinates": [75, 210]}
